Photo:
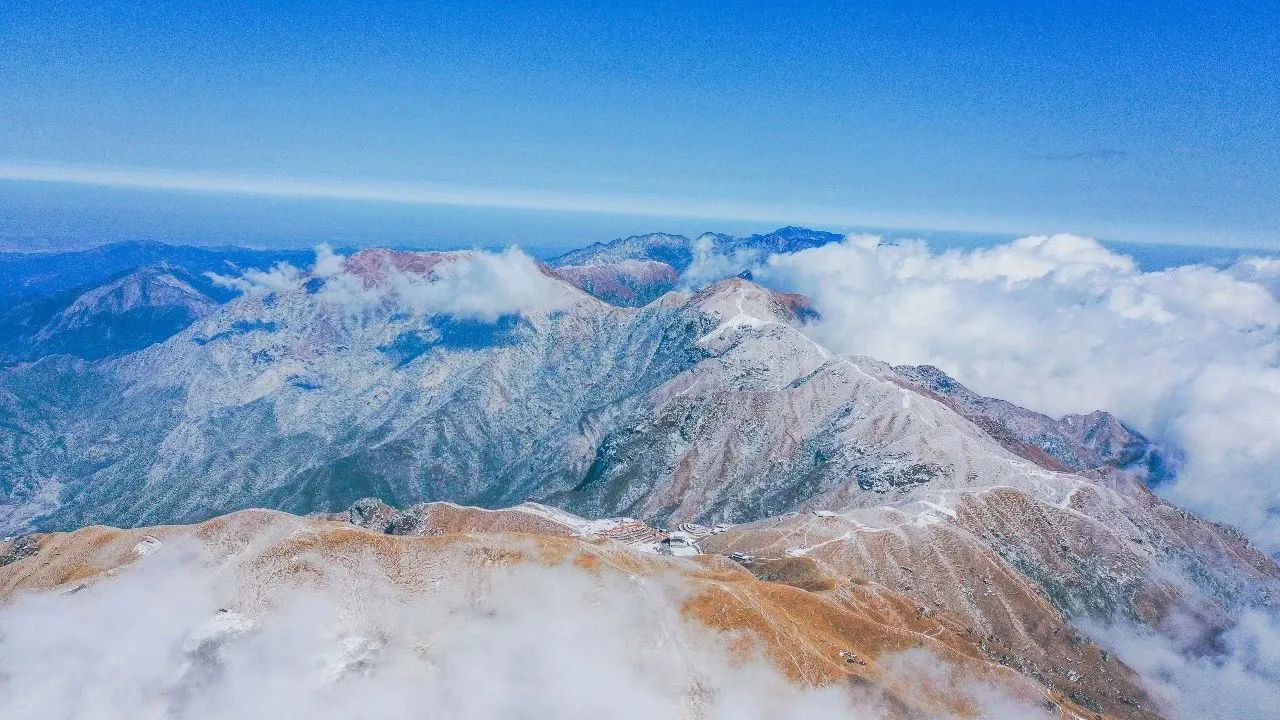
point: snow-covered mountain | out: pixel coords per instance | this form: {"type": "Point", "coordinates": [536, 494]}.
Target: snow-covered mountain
{"type": "Point", "coordinates": [894, 493]}
{"type": "Point", "coordinates": [113, 299]}
{"type": "Point", "coordinates": [679, 251]}
{"type": "Point", "coordinates": [1072, 443]}
{"type": "Point", "coordinates": [24, 276]}
{"type": "Point", "coordinates": [711, 406]}
{"type": "Point", "coordinates": [627, 282]}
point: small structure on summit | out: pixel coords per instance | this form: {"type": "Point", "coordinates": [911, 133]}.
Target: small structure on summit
{"type": "Point", "coordinates": [680, 544]}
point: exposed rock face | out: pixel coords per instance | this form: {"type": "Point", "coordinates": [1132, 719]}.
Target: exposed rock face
{"type": "Point", "coordinates": [373, 514]}
{"type": "Point", "coordinates": [17, 549]}
{"type": "Point", "coordinates": [438, 518]}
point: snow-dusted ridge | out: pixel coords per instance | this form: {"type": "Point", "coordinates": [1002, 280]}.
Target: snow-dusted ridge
{"type": "Point", "coordinates": [313, 390]}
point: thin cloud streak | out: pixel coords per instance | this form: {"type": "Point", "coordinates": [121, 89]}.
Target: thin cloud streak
{"type": "Point", "coordinates": [457, 195]}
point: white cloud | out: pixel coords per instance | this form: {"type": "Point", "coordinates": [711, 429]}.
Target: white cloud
{"type": "Point", "coordinates": [708, 265]}
{"type": "Point", "coordinates": [1061, 324]}
{"type": "Point", "coordinates": [482, 285]}
{"type": "Point", "coordinates": [328, 263]}
{"type": "Point", "coordinates": [176, 637]}
{"type": "Point", "coordinates": [281, 277]}
{"type": "Point", "coordinates": [472, 284]}
{"type": "Point", "coordinates": [980, 699]}
{"type": "Point", "coordinates": [1262, 270]}
{"type": "Point", "coordinates": [1237, 676]}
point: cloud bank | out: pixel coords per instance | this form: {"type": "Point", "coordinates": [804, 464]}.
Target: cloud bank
{"type": "Point", "coordinates": [1189, 355]}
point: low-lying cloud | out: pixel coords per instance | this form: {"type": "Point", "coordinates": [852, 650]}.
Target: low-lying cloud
{"type": "Point", "coordinates": [1061, 324]}
{"type": "Point", "coordinates": [173, 638]}
{"type": "Point", "coordinates": [475, 285]}
{"type": "Point", "coordinates": [1237, 677]}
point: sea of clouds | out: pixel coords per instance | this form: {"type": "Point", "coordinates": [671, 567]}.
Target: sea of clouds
{"type": "Point", "coordinates": [1189, 356]}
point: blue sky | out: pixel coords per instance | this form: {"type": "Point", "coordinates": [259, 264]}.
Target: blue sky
{"type": "Point", "coordinates": [1148, 123]}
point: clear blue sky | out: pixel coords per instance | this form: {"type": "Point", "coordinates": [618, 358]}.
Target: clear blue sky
{"type": "Point", "coordinates": [1152, 122]}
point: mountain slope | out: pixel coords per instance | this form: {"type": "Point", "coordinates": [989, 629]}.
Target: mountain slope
{"type": "Point", "coordinates": [629, 283]}
{"type": "Point", "coordinates": [712, 406]}
{"type": "Point", "coordinates": [1073, 443]}
{"type": "Point", "coordinates": [124, 314]}
{"type": "Point", "coordinates": [25, 276]}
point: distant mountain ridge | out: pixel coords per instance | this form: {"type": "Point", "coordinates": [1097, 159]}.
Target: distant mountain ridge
{"type": "Point", "coordinates": [113, 299]}
{"type": "Point", "coordinates": [635, 270]}
{"type": "Point", "coordinates": [27, 275]}
{"type": "Point", "coordinates": [1073, 443]}
{"type": "Point", "coordinates": [679, 251]}
{"type": "Point", "coordinates": [127, 313]}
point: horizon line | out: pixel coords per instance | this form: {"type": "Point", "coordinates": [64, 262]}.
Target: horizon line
{"type": "Point", "coordinates": [439, 194]}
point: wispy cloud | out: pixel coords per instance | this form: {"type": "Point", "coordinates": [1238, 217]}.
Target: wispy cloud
{"type": "Point", "coordinates": [436, 194]}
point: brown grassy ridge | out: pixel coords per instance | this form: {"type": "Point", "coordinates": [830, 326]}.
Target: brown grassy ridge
{"type": "Point", "coordinates": [814, 626]}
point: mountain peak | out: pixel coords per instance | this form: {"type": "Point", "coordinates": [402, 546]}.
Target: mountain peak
{"type": "Point", "coordinates": [674, 250]}
{"type": "Point", "coordinates": [736, 296]}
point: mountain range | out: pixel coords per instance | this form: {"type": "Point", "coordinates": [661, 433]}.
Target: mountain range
{"type": "Point", "coordinates": [849, 497]}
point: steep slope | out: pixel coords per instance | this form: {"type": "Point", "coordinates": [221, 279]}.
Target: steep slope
{"type": "Point", "coordinates": [1073, 443]}
{"type": "Point", "coordinates": [1020, 569]}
